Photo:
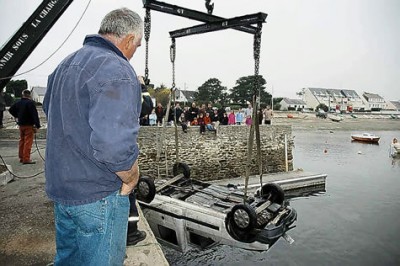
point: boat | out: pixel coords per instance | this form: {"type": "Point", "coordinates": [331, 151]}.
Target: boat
{"type": "Point", "coordinates": [184, 213]}
{"type": "Point", "coordinates": [365, 137]}
{"type": "Point", "coordinates": [335, 118]}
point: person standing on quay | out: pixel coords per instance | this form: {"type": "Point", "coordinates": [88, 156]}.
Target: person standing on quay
{"type": "Point", "coordinates": [93, 105]}
{"type": "Point", "coordinates": [268, 115]}
{"type": "Point", "coordinates": [28, 121]}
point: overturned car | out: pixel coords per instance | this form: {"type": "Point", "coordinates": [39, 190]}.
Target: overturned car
{"type": "Point", "coordinates": [186, 213]}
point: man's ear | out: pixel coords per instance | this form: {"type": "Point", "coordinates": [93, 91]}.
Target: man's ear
{"type": "Point", "coordinates": [127, 41]}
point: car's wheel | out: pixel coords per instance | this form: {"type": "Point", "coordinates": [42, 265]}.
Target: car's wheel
{"type": "Point", "coordinates": [145, 189]}
{"type": "Point", "coordinates": [240, 222]}
{"type": "Point", "coordinates": [273, 193]}
{"type": "Point", "coordinates": [181, 168]}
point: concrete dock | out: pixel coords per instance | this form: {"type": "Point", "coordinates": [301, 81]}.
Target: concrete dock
{"type": "Point", "coordinates": [292, 181]}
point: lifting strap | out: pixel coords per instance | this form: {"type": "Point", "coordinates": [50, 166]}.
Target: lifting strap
{"type": "Point", "coordinates": [255, 124]}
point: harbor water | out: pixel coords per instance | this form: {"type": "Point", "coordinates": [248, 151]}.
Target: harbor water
{"type": "Point", "coordinates": [355, 221]}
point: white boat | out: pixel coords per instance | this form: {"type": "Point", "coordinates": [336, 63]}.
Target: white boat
{"type": "Point", "coordinates": [186, 214]}
{"type": "Point", "coordinates": [335, 118]}
{"type": "Point", "coordinates": [365, 137]}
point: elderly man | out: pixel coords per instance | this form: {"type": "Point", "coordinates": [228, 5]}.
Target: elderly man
{"type": "Point", "coordinates": [93, 104]}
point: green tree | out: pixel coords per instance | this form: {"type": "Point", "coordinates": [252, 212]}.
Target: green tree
{"type": "Point", "coordinates": [277, 105]}
{"type": "Point", "coordinates": [244, 90]}
{"type": "Point", "coordinates": [161, 93]}
{"type": "Point", "coordinates": [16, 87]}
{"type": "Point", "coordinates": [9, 99]}
{"type": "Point", "coordinates": [210, 91]}
{"type": "Point", "coordinates": [321, 106]}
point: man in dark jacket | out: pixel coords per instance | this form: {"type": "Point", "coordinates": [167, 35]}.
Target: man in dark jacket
{"type": "Point", "coordinates": [28, 120]}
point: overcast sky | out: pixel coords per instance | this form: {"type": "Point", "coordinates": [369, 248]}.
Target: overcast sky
{"type": "Point", "coordinates": [352, 44]}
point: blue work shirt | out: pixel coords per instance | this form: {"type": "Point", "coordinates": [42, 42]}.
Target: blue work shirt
{"type": "Point", "coordinates": [92, 104]}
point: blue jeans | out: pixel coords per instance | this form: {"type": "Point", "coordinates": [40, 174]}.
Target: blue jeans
{"type": "Point", "coordinates": [92, 234]}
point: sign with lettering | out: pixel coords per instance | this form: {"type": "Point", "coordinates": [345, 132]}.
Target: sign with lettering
{"type": "Point", "coordinates": [21, 45]}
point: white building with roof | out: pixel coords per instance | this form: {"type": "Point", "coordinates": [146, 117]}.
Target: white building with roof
{"type": "Point", "coordinates": [184, 96]}
{"type": "Point", "coordinates": [339, 99]}
{"type": "Point", "coordinates": [393, 105]}
{"type": "Point", "coordinates": [374, 102]}
{"type": "Point", "coordinates": [38, 93]}
{"type": "Point", "coordinates": [292, 104]}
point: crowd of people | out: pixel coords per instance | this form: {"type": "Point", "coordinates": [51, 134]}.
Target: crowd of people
{"type": "Point", "coordinates": [207, 118]}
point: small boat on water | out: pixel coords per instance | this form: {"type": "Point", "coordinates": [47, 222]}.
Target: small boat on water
{"type": "Point", "coordinates": [184, 213]}
{"type": "Point", "coordinates": [365, 137]}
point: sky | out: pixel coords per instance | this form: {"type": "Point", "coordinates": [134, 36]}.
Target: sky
{"type": "Point", "coordinates": [341, 44]}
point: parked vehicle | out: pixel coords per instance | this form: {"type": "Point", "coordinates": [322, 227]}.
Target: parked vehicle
{"type": "Point", "coordinates": [321, 114]}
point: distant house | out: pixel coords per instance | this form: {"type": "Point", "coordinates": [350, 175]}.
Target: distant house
{"type": "Point", "coordinates": [374, 102]}
{"type": "Point", "coordinates": [393, 105]}
{"type": "Point", "coordinates": [354, 101]}
{"type": "Point", "coordinates": [292, 104]}
{"type": "Point", "coordinates": [184, 96]}
{"type": "Point", "coordinates": [339, 99]}
{"type": "Point", "coordinates": [38, 93]}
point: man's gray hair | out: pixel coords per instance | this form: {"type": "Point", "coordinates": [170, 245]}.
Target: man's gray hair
{"type": "Point", "coordinates": [121, 22]}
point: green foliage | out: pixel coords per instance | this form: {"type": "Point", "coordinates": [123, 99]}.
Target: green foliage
{"type": "Point", "coordinates": [321, 106]}
{"type": "Point", "coordinates": [161, 93]}
{"type": "Point", "coordinates": [244, 90]}
{"type": "Point", "coordinates": [9, 99]}
{"type": "Point", "coordinates": [161, 87]}
{"type": "Point", "coordinates": [211, 91]}
{"type": "Point", "coordinates": [277, 105]}
{"type": "Point", "coordinates": [16, 87]}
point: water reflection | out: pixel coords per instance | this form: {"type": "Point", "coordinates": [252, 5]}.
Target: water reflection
{"type": "Point", "coordinates": [396, 160]}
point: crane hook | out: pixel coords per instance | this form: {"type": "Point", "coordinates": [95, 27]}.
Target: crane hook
{"type": "Point", "coordinates": [209, 6]}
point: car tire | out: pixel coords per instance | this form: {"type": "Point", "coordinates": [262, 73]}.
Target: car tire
{"type": "Point", "coordinates": [145, 189]}
{"type": "Point", "coordinates": [273, 192]}
{"type": "Point", "coordinates": [181, 168]}
{"type": "Point", "coordinates": [240, 223]}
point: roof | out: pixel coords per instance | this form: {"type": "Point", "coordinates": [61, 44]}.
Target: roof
{"type": "Point", "coordinates": [371, 95]}
{"type": "Point", "coordinates": [326, 91]}
{"type": "Point", "coordinates": [294, 101]}
{"type": "Point", "coordinates": [39, 90]}
{"type": "Point", "coordinates": [189, 95]}
{"type": "Point", "coordinates": [350, 93]}
{"type": "Point", "coordinates": [396, 104]}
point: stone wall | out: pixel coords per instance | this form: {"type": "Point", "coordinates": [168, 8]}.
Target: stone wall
{"type": "Point", "coordinates": [211, 156]}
